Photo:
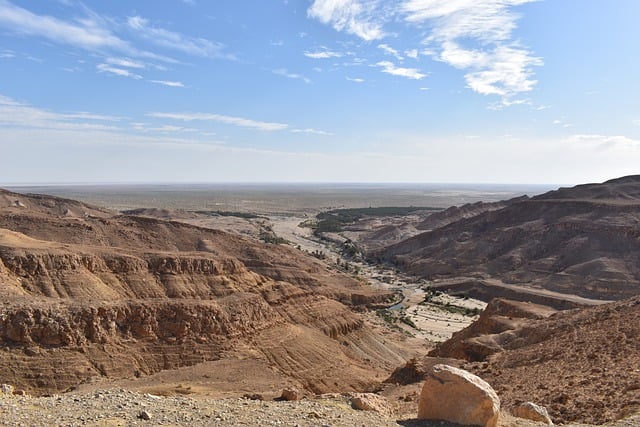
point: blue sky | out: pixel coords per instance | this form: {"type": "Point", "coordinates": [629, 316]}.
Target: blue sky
{"type": "Point", "coordinates": [470, 91]}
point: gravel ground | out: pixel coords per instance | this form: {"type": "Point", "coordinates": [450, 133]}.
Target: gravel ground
{"type": "Point", "coordinates": [119, 407]}
{"type": "Point", "coordinates": [126, 408]}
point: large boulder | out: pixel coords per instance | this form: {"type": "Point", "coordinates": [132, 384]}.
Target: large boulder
{"type": "Point", "coordinates": [455, 395]}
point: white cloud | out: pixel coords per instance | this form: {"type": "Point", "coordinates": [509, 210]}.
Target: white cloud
{"type": "Point", "coordinates": [495, 64]}
{"type": "Point", "coordinates": [284, 73]}
{"type": "Point", "coordinates": [236, 121]}
{"type": "Point", "coordinates": [314, 131]}
{"type": "Point", "coordinates": [410, 73]}
{"type": "Point", "coordinates": [168, 83]}
{"type": "Point", "coordinates": [125, 62]}
{"type": "Point", "coordinates": [360, 18]}
{"type": "Point", "coordinates": [355, 79]}
{"type": "Point", "coordinates": [177, 41]}
{"type": "Point", "coordinates": [142, 127]}
{"type": "Point", "coordinates": [6, 54]}
{"type": "Point", "coordinates": [636, 122]}
{"type": "Point", "coordinates": [91, 116]}
{"type": "Point", "coordinates": [89, 32]}
{"type": "Point", "coordinates": [14, 114]}
{"type": "Point", "coordinates": [106, 68]}
{"type": "Point", "coordinates": [86, 33]}
{"type": "Point", "coordinates": [472, 35]}
{"type": "Point", "coordinates": [412, 53]}
{"type": "Point", "coordinates": [391, 51]}
{"type": "Point", "coordinates": [323, 54]}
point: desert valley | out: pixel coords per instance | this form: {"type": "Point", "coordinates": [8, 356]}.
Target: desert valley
{"type": "Point", "coordinates": [118, 306]}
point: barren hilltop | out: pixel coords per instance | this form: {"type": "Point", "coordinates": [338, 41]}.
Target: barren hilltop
{"type": "Point", "coordinates": [147, 301]}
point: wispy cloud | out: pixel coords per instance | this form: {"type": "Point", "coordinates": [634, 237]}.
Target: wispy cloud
{"type": "Point", "coordinates": [410, 73]}
{"type": "Point", "coordinates": [284, 73]}
{"type": "Point", "coordinates": [355, 79]}
{"type": "Point", "coordinates": [323, 54]}
{"type": "Point", "coordinates": [471, 35]}
{"type": "Point", "coordinates": [236, 121]}
{"type": "Point", "coordinates": [106, 68]}
{"type": "Point", "coordinates": [476, 36]}
{"type": "Point", "coordinates": [168, 83]}
{"type": "Point", "coordinates": [125, 62]}
{"type": "Point", "coordinates": [6, 54]}
{"type": "Point", "coordinates": [177, 41]}
{"type": "Point", "coordinates": [360, 18]}
{"type": "Point", "coordinates": [313, 131]}
{"type": "Point", "coordinates": [87, 33]}
{"type": "Point", "coordinates": [18, 115]}
{"type": "Point", "coordinates": [391, 51]}
{"type": "Point", "coordinates": [143, 127]}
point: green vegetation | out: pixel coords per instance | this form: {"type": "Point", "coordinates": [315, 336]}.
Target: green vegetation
{"type": "Point", "coordinates": [391, 318]}
{"type": "Point", "coordinates": [245, 215]}
{"type": "Point", "coordinates": [407, 321]}
{"type": "Point", "coordinates": [465, 311]}
{"type": "Point", "coordinates": [386, 315]}
{"type": "Point", "coordinates": [451, 308]}
{"type": "Point", "coordinates": [334, 220]}
{"type": "Point", "coordinates": [272, 238]}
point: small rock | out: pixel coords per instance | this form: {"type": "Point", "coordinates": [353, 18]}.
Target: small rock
{"type": "Point", "coordinates": [370, 402]}
{"type": "Point", "coordinates": [144, 415]}
{"type": "Point", "coordinates": [6, 389]}
{"type": "Point", "coordinates": [253, 396]}
{"type": "Point", "coordinates": [291, 393]}
{"type": "Point", "coordinates": [533, 412]}
{"type": "Point", "coordinates": [455, 395]}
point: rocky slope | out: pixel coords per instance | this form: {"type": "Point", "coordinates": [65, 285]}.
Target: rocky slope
{"type": "Point", "coordinates": [583, 241]}
{"type": "Point", "coordinates": [97, 295]}
{"type": "Point", "coordinates": [582, 364]}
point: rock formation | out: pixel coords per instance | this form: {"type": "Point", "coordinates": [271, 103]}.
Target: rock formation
{"type": "Point", "coordinates": [455, 395]}
{"type": "Point", "coordinates": [89, 294]}
{"type": "Point", "coordinates": [481, 339]}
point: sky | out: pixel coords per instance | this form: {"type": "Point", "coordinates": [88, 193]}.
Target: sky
{"type": "Point", "coordinates": [434, 91]}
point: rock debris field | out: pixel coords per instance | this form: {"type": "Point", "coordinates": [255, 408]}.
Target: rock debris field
{"type": "Point", "coordinates": [119, 407]}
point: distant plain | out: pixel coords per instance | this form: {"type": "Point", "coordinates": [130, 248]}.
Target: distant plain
{"type": "Point", "coordinates": [272, 199]}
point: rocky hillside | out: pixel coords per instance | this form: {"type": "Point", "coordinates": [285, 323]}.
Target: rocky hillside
{"type": "Point", "coordinates": [99, 295]}
{"type": "Point", "coordinates": [583, 241]}
{"type": "Point", "coordinates": [581, 364]}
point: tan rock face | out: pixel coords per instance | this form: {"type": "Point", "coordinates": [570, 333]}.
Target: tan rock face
{"type": "Point", "coordinates": [455, 395]}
